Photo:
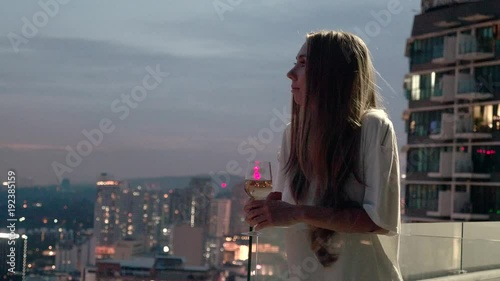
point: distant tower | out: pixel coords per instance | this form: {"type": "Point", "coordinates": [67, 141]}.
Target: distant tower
{"type": "Point", "coordinates": [201, 192]}
{"type": "Point", "coordinates": [107, 211]}
{"type": "Point", "coordinates": [141, 210]}
{"type": "Point", "coordinates": [238, 199]}
{"type": "Point", "coordinates": [65, 185]}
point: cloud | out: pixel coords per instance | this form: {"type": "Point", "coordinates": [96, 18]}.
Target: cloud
{"type": "Point", "coordinates": [29, 146]}
{"type": "Point", "coordinates": [226, 78]}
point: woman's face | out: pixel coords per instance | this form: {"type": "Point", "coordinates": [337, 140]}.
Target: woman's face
{"type": "Point", "coordinates": [298, 76]}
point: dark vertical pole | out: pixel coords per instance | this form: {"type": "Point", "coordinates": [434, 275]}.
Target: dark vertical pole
{"type": "Point", "coordinates": [249, 265]}
{"type": "Point", "coordinates": [462, 250]}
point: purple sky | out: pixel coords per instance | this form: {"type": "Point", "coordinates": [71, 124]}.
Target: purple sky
{"type": "Point", "coordinates": [226, 74]}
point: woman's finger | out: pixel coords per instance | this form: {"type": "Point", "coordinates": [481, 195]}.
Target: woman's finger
{"type": "Point", "coordinates": [262, 226]}
{"type": "Point", "coordinates": [254, 213]}
{"type": "Point", "coordinates": [254, 204]}
{"type": "Point", "coordinates": [258, 220]}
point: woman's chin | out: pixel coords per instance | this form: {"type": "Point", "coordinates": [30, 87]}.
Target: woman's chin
{"type": "Point", "coordinates": [297, 100]}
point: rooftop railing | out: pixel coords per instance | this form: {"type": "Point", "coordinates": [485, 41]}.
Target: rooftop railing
{"type": "Point", "coordinates": [428, 251]}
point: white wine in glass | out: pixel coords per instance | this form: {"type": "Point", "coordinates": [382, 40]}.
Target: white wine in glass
{"type": "Point", "coordinates": [258, 183]}
{"type": "Point", "coordinates": [258, 189]}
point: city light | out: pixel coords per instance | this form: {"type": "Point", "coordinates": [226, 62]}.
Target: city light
{"type": "Point", "coordinates": [486, 151]}
{"type": "Point", "coordinates": [107, 183]}
{"type": "Point", "coordinates": [8, 236]}
{"type": "Point", "coordinates": [166, 249]}
{"type": "Point", "coordinates": [55, 220]}
{"type": "Point", "coordinates": [22, 219]}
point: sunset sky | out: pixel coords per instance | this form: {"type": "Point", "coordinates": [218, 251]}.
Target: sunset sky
{"type": "Point", "coordinates": [226, 63]}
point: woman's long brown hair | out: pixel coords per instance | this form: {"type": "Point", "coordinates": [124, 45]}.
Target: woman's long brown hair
{"type": "Point", "coordinates": [325, 131]}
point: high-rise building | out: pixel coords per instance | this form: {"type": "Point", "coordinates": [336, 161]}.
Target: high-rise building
{"type": "Point", "coordinates": [124, 212]}
{"type": "Point", "coordinates": [65, 185]}
{"type": "Point", "coordinates": [201, 193]}
{"type": "Point", "coordinates": [142, 210]}
{"type": "Point", "coordinates": [453, 119]}
{"type": "Point", "coordinates": [107, 211]}
{"type": "Point", "coordinates": [191, 205]}
{"type": "Point", "coordinates": [238, 199]}
{"type": "Point", "coordinates": [220, 214]}
{"type": "Point", "coordinates": [75, 255]}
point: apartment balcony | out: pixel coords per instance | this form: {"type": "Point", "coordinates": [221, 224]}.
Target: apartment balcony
{"type": "Point", "coordinates": [445, 53]}
{"type": "Point", "coordinates": [446, 131]}
{"type": "Point", "coordinates": [443, 208]}
{"type": "Point", "coordinates": [445, 90]}
{"type": "Point", "coordinates": [463, 209]}
{"type": "Point", "coordinates": [458, 251]}
{"type": "Point", "coordinates": [468, 128]}
{"type": "Point", "coordinates": [470, 49]}
{"type": "Point", "coordinates": [445, 159]}
{"type": "Point", "coordinates": [464, 167]}
{"type": "Point", "coordinates": [470, 89]}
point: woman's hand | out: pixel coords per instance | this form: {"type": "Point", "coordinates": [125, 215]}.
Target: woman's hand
{"type": "Point", "coordinates": [271, 212]}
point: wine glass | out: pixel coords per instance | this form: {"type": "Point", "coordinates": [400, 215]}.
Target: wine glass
{"type": "Point", "coordinates": [258, 184]}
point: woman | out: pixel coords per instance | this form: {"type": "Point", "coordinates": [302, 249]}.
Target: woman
{"type": "Point", "coordinates": [339, 169]}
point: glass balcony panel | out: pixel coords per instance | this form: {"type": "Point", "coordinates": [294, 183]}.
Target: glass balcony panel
{"type": "Point", "coordinates": [469, 89]}
{"type": "Point", "coordinates": [469, 128]}
{"type": "Point", "coordinates": [428, 251]}
{"type": "Point", "coordinates": [445, 131]}
{"type": "Point", "coordinates": [445, 53]}
{"type": "Point", "coordinates": [481, 246]}
{"type": "Point", "coordinates": [469, 48]}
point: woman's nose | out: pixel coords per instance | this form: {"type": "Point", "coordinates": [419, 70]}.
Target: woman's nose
{"type": "Point", "coordinates": [290, 74]}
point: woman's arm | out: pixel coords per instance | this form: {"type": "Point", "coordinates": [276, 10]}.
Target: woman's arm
{"type": "Point", "coordinates": [347, 220]}
{"type": "Point", "coordinates": [272, 212]}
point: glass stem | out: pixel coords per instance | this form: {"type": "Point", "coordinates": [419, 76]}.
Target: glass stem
{"type": "Point", "coordinates": [249, 264]}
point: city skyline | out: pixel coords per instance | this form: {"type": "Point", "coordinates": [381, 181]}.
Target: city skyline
{"type": "Point", "coordinates": [226, 81]}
